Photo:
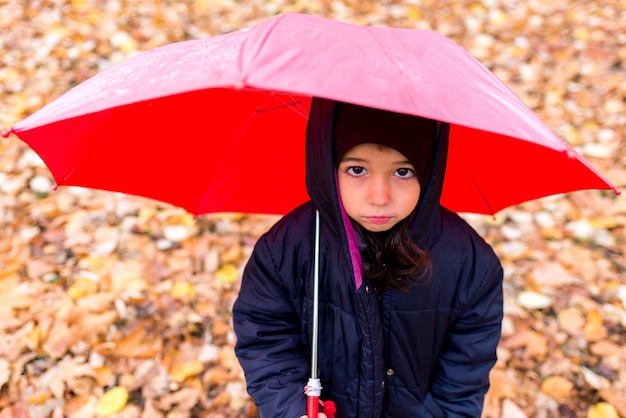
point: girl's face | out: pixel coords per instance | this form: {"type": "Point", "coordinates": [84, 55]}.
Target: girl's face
{"type": "Point", "coordinates": [378, 186]}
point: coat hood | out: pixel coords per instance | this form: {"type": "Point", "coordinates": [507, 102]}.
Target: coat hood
{"type": "Point", "coordinates": [425, 222]}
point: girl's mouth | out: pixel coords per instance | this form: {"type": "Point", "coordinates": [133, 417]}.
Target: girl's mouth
{"type": "Point", "coordinates": [378, 220]}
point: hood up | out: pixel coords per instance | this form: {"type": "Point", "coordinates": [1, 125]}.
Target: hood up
{"type": "Point", "coordinates": [425, 222]}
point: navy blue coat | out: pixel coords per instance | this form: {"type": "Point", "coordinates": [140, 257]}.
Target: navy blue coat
{"type": "Point", "coordinates": [422, 353]}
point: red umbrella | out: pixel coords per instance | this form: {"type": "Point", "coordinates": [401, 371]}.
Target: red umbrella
{"type": "Point", "coordinates": [218, 125]}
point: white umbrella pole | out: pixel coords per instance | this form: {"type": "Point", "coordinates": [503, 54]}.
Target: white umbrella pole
{"type": "Point", "coordinates": [314, 386]}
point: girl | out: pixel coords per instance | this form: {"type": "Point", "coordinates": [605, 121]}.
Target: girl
{"type": "Point", "coordinates": [410, 296]}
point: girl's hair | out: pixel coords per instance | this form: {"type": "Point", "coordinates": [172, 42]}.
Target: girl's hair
{"type": "Point", "coordinates": [391, 260]}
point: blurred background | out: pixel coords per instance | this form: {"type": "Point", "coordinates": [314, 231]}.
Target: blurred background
{"type": "Point", "coordinates": [117, 306]}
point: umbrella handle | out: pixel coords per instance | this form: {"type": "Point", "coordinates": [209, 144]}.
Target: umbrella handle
{"type": "Point", "coordinates": [313, 390]}
{"type": "Point", "coordinates": [313, 407]}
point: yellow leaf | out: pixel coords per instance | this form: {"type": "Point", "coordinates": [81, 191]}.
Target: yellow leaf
{"type": "Point", "coordinates": [58, 29]}
{"type": "Point", "coordinates": [602, 410]}
{"type": "Point", "coordinates": [582, 34]}
{"type": "Point", "coordinates": [38, 398]}
{"type": "Point", "coordinates": [93, 16]}
{"type": "Point", "coordinates": [10, 75]}
{"type": "Point", "coordinates": [200, 7]}
{"type": "Point", "coordinates": [81, 288]}
{"type": "Point", "coordinates": [181, 371]}
{"type": "Point", "coordinates": [608, 222]}
{"type": "Point", "coordinates": [499, 18]}
{"type": "Point", "coordinates": [112, 401]}
{"type": "Point", "coordinates": [186, 219]}
{"type": "Point", "coordinates": [232, 255]}
{"type": "Point", "coordinates": [182, 291]}
{"type": "Point", "coordinates": [33, 339]}
{"type": "Point", "coordinates": [227, 273]}
{"type": "Point", "coordinates": [415, 13]}
{"type": "Point", "coordinates": [99, 265]}
{"type": "Point", "coordinates": [477, 9]}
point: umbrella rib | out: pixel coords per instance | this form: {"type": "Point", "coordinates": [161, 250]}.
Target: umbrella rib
{"type": "Point", "coordinates": [293, 104]}
{"type": "Point", "coordinates": [471, 177]}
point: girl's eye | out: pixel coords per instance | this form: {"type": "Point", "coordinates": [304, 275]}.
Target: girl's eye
{"type": "Point", "coordinates": [356, 171]}
{"type": "Point", "coordinates": [405, 173]}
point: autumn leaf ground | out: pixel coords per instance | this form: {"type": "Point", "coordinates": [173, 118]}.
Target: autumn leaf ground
{"type": "Point", "coordinates": [112, 305]}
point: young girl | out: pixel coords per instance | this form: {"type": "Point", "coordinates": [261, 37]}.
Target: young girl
{"type": "Point", "coordinates": [410, 296]}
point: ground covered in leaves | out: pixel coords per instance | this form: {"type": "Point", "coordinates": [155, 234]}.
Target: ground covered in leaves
{"type": "Point", "coordinates": [115, 306]}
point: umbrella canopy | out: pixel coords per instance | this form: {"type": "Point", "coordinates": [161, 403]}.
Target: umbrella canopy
{"type": "Point", "coordinates": [218, 124]}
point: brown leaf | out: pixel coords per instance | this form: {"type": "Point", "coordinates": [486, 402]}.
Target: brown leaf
{"type": "Point", "coordinates": [569, 247]}
{"type": "Point", "coordinates": [536, 344]}
{"type": "Point", "coordinates": [141, 342]}
{"type": "Point", "coordinates": [502, 385]}
{"type": "Point", "coordinates": [571, 320]}
{"type": "Point", "coordinates": [616, 398]}
{"type": "Point", "coordinates": [58, 341]}
{"type": "Point", "coordinates": [185, 399]}
{"type": "Point", "coordinates": [557, 387]}
{"type": "Point", "coordinates": [594, 329]}
{"type": "Point", "coordinates": [150, 410]}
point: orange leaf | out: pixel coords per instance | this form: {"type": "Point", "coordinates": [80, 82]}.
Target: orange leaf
{"type": "Point", "coordinates": [181, 371]}
{"type": "Point", "coordinates": [557, 387]}
{"type": "Point", "coordinates": [594, 329]}
{"type": "Point", "coordinates": [139, 343]}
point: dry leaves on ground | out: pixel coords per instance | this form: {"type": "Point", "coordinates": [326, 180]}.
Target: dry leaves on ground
{"type": "Point", "coordinates": [114, 306]}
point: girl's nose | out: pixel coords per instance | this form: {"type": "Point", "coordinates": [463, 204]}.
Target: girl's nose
{"type": "Point", "coordinates": [379, 192]}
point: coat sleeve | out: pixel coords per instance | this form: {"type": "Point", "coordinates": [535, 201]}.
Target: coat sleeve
{"type": "Point", "coordinates": [269, 344]}
{"type": "Point", "coordinates": [469, 352]}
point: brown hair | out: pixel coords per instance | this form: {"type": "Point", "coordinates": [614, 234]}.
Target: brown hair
{"type": "Point", "coordinates": [391, 260]}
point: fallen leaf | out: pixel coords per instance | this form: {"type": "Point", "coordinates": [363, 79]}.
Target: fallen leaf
{"type": "Point", "coordinates": [594, 329]}
{"type": "Point", "coordinates": [112, 401]}
{"type": "Point", "coordinates": [557, 387]}
{"type": "Point", "coordinates": [615, 398]}
{"type": "Point", "coordinates": [39, 398]}
{"type": "Point", "coordinates": [232, 255]}
{"type": "Point", "coordinates": [81, 288]}
{"type": "Point", "coordinates": [141, 342]}
{"type": "Point", "coordinates": [533, 300]}
{"type": "Point", "coordinates": [511, 410]}
{"type": "Point", "coordinates": [181, 371]}
{"type": "Point", "coordinates": [185, 399]}
{"type": "Point", "coordinates": [571, 320]}
{"type": "Point", "coordinates": [152, 262]}
{"type": "Point", "coordinates": [227, 273]}
{"type": "Point", "coordinates": [59, 339]}
{"type": "Point", "coordinates": [183, 291]}
{"type": "Point", "coordinates": [5, 372]}
{"type": "Point", "coordinates": [104, 375]}
{"type": "Point", "coordinates": [602, 410]}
